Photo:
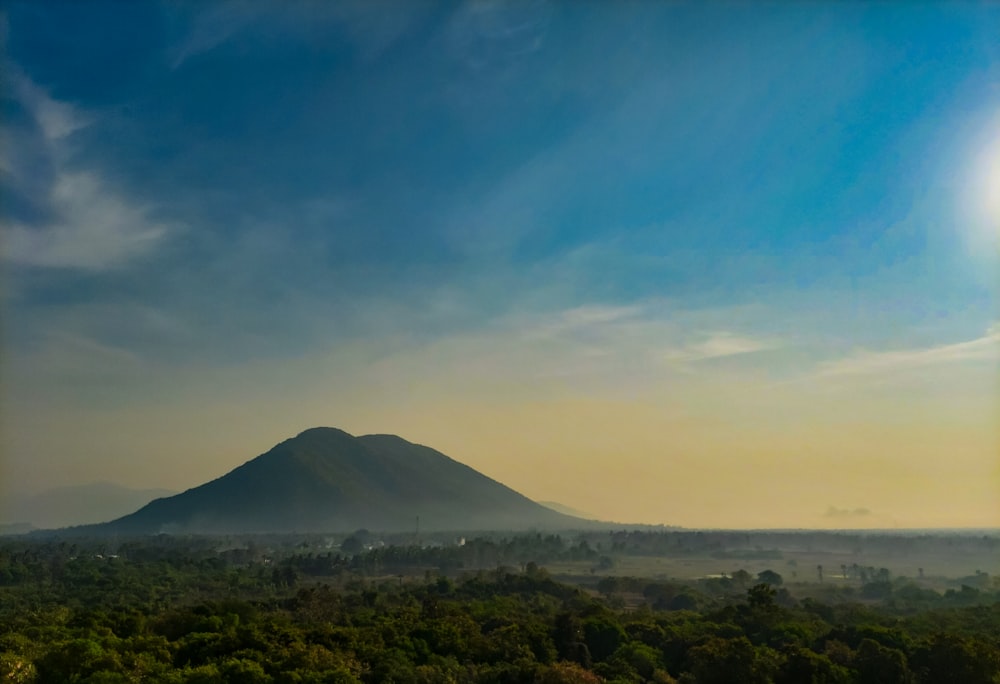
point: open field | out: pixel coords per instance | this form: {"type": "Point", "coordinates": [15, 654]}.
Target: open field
{"type": "Point", "coordinates": [799, 566]}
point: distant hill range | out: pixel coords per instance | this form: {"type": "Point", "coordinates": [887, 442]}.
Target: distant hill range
{"type": "Point", "coordinates": [325, 480]}
{"type": "Point", "coordinates": [562, 508]}
{"type": "Point", "coordinates": [76, 505]}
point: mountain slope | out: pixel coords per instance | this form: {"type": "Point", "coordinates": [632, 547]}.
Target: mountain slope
{"type": "Point", "coordinates": [325, 480]}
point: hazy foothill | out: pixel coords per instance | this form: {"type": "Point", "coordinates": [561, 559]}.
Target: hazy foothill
{"type": "Point", "coordinates": [499, 342]}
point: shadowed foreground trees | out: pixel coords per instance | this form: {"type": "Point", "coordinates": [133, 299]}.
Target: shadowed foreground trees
{"type": "Point", "coordinates": [176, 614]}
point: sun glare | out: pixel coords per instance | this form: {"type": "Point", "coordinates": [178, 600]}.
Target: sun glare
{"type": "Point", "coordinates": [986, 184]}
{"type": "Point", "coordinates": [991, 191]}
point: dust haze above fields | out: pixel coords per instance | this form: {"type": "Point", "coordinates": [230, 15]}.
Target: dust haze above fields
{"type": "Point", "coordinates": [698, 264]}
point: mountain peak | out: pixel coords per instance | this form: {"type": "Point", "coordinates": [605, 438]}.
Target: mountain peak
{"type": "Point", "coordinates": [320, 432]}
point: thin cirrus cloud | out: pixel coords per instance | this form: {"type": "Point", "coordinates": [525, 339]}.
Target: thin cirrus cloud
{"type": "Point", "coordinates": [718, 345]}
{"type": "Point", "coordinates": [643, 326]}
{"type": "Point", "coordinates": [367, 26]}
{"type": "Point", "coordinates": [983, 348]}
{"type": "Point", "coordinates": [589, 319]}
{"type": "Point", "coordinates": [213, 27]}
{"type": "Point", "coordinates": [94, 229]}
{"type": "Point", "coordinates": [592, 346]}
{"type": "Point", "coordinates": [87, 225]}
{"type": "Point", "coordinates": [488, 33]}
{"type": "Point", "coordinates": [56, 119]}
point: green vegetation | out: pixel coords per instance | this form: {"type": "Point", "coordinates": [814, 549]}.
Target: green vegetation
{"type": "Point", "coordinates": [276, 609]}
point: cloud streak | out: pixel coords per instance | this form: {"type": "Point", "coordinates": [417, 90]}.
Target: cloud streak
{"type": "Point", "coordinates": [87, 224]}
{"type": "Point", "coordinates": [864, 363]}
{"type": "Point", "coordinates": [589, 319]}
{"type": "Point", "coordinates": [584, 350]}
{"type": "Point", "coordinates": [57, 120]}
{"type": "Point", "coordinates": [95, 229]}
{"type": "Point", "coordinates": [370, 28]}
{"type": "Point", "coordinates": [718, 345]}
{"type": "Point", "coordinates": [213, 27]}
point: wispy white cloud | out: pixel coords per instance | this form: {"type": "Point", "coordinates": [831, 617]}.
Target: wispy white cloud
{"type": "Point", "coordinates": [82, 354]}
{"type": "Point", "coordinates": [88, 224]}
{"type": "Point", "coordinates": [56, 119]}
{"type": "Point", "coordinates": [370, 27]}
{"type": "Point", "coordinates": [639, 334]}
{"type": "Point", "coordinates": [213, 27]}
{"type": "Point", "coordinates": [717, 345]}
{"type": "Point", "coordinates": [984, 348]}
{"type": "Point", "coordinates": [491, 33]}
{"type": "Point", "coordinates": [596, 348]}
{"type": "Point", "coordinates": [581, 319]}
{"type": "Point", "coordinates": [95, 229]}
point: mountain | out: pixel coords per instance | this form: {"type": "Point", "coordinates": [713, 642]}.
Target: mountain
{"type": "Point", "coordinates": [79, 504]}
{"type": "Point", "coordinates": [325, 480]}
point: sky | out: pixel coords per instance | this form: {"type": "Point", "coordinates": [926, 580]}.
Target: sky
{"type": "Point", "coordinates": [708, 264]}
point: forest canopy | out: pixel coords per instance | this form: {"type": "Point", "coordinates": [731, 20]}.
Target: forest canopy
{"type": "Point", "coordinates": [189, 610]}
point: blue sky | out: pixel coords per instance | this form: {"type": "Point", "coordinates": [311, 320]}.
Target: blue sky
{"type": "Point", "coordinates": [245, 218]}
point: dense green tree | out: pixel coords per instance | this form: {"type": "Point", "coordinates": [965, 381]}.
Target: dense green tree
{"type": "Point", "coordinates": [603, 635]}
{"type": "Point", "coordinates": [953, 659]}
{"type": "Point", "coordinates": [723, 661]}
{"type": "Point", "coordinates": [877, 664]}
{"type": "Point", "coordinates": [803, 666]}
{"type": "Point", "coordinates": [174, 610]}
{"type": "Point", "coordinates": [634, 660]}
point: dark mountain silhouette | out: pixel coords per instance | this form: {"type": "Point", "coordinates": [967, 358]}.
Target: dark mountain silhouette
{"type": "Point", "coordinates": [325, 480]}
